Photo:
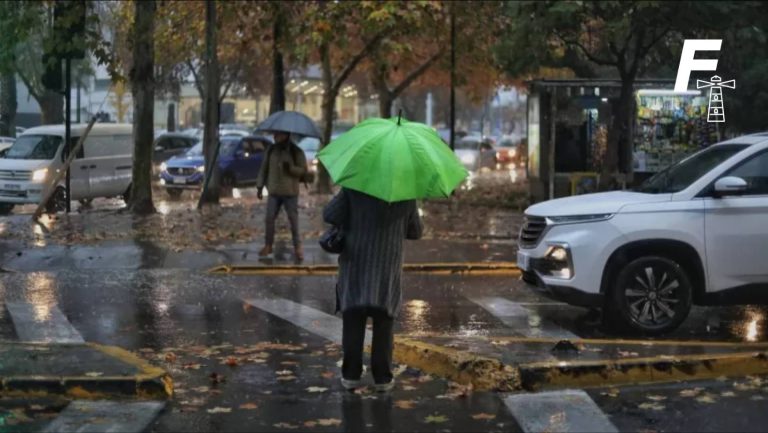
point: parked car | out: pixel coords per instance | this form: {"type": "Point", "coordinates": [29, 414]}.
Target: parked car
{"type": "Point", "coordinates": [475, 153]}
{"type": "Point", "coordinates": [102, 167]}
{"type": "Point", "coordinates": [233, 133]}
{"type": "Point", "coordinates": [694, 233]}
{"type": "Point", "coordinates": [239, 162]}
{"type": "Point", "coordinates": [19, 130]}
{"type": "Point", "coordinates": [5, 144]}
{"type": "Point", "coordinates": [310, 146]}
{"type": "Point", "coordinates": [171, 144]}
{"type": "Point", "coordinates": [508, 152]}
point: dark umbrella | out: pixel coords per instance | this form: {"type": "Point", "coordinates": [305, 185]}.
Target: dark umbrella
{"type": "Point", "coordinates": [290, 121]}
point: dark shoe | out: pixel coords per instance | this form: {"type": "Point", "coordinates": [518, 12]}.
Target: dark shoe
{"type": "Point", "coordinates": [299, 253]}
{"type": "Point", "coordinates": [266, 251]}
{"type": "Point", "coordinates": [384, 387]}
{"type": "Point", "coordinates": [351, 384]}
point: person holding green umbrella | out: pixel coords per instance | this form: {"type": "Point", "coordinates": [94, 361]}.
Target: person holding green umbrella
{"type": "Point", "coordinates": [383, 166]}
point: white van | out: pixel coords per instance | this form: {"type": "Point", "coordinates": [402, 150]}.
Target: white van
{"type": "Point", "coordinates": [102, 167]}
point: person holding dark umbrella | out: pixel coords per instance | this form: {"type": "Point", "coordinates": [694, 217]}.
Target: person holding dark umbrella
{"type": "Point", "coordinates": [282, 171]}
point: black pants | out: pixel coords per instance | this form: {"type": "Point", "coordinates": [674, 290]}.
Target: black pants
{"type": "Point", "coordinates": [353, 339]}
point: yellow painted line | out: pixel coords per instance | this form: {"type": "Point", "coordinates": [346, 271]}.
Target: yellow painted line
{"type": "Point", "coordinates": [438, 268]}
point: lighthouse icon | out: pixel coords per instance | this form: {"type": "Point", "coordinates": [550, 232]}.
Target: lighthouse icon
{"type": "Point", "coordinates": [716, 110]}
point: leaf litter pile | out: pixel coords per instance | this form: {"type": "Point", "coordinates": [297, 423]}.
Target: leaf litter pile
{"type": "Point", "coordinates": [479, 210]}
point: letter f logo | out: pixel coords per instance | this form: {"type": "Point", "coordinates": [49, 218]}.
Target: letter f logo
{"type": "Point", "coordinates": [688, 63]}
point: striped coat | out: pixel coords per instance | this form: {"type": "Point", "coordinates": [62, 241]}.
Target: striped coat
{"type": "Point", "coordinates": [370, 267]}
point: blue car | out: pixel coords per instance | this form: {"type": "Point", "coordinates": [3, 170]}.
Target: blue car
{"type": "Point", "coordinates": [239, 163]}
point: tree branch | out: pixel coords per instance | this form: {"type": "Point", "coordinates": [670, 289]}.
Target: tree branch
{"type": "Point", "coordinates": [344, 74]}
{"type": "Point", "coordinates": [416, 73]}
{"type": "Point", "coordinates": [586, 52]}
{"type": "Point", "coordinates": [35, 94]}
{"type": "Point", "coordinates": [196, 77]}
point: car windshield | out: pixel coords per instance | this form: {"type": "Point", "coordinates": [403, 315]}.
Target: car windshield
{"type": "Point", "coordinates": [681, 175]}
{"type": "Point", "coordinates": [309, 144]}
{"type": "Point", "coordinates": [226, 149]}
{"type": "Point", "coordinates": [467, 145]}
{"type": "Point", "coordinates": [34, 147]}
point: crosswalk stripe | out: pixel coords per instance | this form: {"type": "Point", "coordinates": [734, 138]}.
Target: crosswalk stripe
{"type": "Point", "coordinates": [517, 316]}
{"type": "Point", "coordinates": [42, 324]}
{"type": "Point", "coordinates": [314, 321]}
{"type": "Point", "coordinates": [86, 416]}
{"type": "Point", "coordinates": [558, 411]}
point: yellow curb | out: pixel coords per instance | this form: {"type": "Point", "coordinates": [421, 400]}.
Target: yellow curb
{"type": "Point", "coordinates": [151, 383]}
{"type": "Point", "coordinates": [591, 374]}
{"type": "Point", "coordinates": [482, 373]}
{"type": "Point", "coordinates": [437, 268]}
{"type": "Point", "coordinates": [486, 373]}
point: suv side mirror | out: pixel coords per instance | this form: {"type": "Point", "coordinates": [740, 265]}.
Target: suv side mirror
{"type": "Point", "coordinates": [730, 185]}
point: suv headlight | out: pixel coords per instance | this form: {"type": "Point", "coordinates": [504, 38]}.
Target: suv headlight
{"type": "Point", "coordinates": [573, 219]}
{"type": "Point", "coordinates": [201, 169]}
{"type": "Point", "coordinates": [39, 175]}
{"type": "Point", "coordinates": [558, 262]}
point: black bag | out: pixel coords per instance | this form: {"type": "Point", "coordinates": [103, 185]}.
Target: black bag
{"type": "Point", "coordinates": [332, 240]}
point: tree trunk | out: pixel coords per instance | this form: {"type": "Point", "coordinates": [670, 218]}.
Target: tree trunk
{"type": "Point", "coordinates": [328, 105]}
{"type": "Point", "coordinates": [171, 119]}
{"type": "Point", "coordinates": [143, 89]}
{"type": "Point", "coordinates": [211, 106]}
{"type": "Point", "coordinates": [8, 104]}
{"type": "Point", "coordinates": [51, 108]}
{"type": "Point", "coordinates": [619, 136]}
{"type": "Point", "coordinates": [277, 101]}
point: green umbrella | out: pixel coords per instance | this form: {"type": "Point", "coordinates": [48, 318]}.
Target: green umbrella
{"type": "Point", "coordinates": [394, 160]}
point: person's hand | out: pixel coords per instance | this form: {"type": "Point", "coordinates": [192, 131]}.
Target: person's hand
{"type": "Point", "coordinates": [286, 166]}
{"type": "Point", "coordinates": [260, 193]}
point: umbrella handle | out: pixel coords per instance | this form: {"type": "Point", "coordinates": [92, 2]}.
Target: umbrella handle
{"type": "Point", "coordinates": [399, 113]}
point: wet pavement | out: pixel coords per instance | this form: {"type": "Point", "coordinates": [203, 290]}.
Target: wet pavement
{"type": "Point", "coordinates": [237, 368]}
{"type": "Point", "coordinates": [140, 284]}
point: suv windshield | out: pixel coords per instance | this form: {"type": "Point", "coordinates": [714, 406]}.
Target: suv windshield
{"type": "Point", "coordinates": [34, 147]}
{"type": "Point", "coordinates": [227, 147]}
{"type": "Point", "coordinates": [681, 175]}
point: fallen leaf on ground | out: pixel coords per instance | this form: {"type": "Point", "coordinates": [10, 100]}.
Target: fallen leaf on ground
{"type": "Point", "coordinates": [249, 406]}
{"type": "Point", "coordinates": [284, 372]}
{"type": "Point", "coordinates": [327, 374]}
{"type": "Point", "coordinates": [219, 410]}
{"type": "Point", "coordinates": [424, 378]}
{"type": "Point", "coordinates": [435, 419]}
{"type": "Point", "coordinates": [170, 357]}
{"type": "Point", "coordinates": [231, 361]}
{"type": "Point", "coordinates": [691, 392]}
{"type": "Point", "coordinates": [757, 397]}
{"type": "Point", "coordinates": [399, 370]}
{"type": "Point", "coordinates": [706, 398]}
{"type": "Point", "coordinates": [483, 416]}
{"type": "Point", "coordinates": [191, 366]}
{"type": "Point", "coordinates": [201, 389]}
{"type": "Point", "coordinates": [286, 378]}
{"type": "Point", "coordinates": [329, 422]}
{"type": "Point", "coordinates": [285, 425]}
{"type": "Point", "coordinates": [613, 392]}
{"type": "Point", "coordinates": [651, 406]}
{"type": "Point", "coordinates": [409, 388]}
{"type": "Point", "coordinates": [193, 402]}
{"type": "Point", "coordinates": [728, 394]}
{"type": "Point", "coordinates": [310, 424]}
{"type": "Point", "coordinates": [316, 389]}
{"type": "Point", "coordinates": [289, 363]}
{"type": "Point", "coordinates": [405, 404]}
{"type": "Point", "coordinates": [94, 374]}
{"type": "Point", "coordinates": [656, 397]}
{"type": "Point", "coordinates": [627, 354]}
{"type": "Point", "coordinates": [36, 407]}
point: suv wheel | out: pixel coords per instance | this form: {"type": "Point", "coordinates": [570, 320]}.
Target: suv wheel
{"type": "Point", "coordinates": [652, 295]}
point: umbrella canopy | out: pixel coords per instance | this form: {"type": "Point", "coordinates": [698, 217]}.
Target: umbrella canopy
{"type": "Point", "coordinates": [290, 121]}
{"type": "Point", "coordinates": [393, 159]}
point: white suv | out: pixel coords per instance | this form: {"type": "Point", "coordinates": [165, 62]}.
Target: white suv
{"type": "Point", "coordinates": [695, 233]}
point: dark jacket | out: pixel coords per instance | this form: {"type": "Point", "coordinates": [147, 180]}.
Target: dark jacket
{"type": "Point", "coordinates": [273, 175]}
{"type": "Point", "coordinates": [371, 265]}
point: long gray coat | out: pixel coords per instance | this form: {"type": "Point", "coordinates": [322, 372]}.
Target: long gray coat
{"type": "Point", "coordinates": [371, 265]}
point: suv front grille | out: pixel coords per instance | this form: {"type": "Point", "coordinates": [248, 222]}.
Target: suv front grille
{"type": "Point", "coordinates": [15, 175]}
{"type": "Point", "coordinates": [181, 171]}
{"type": "Point", "coordinates": [532, 230]}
